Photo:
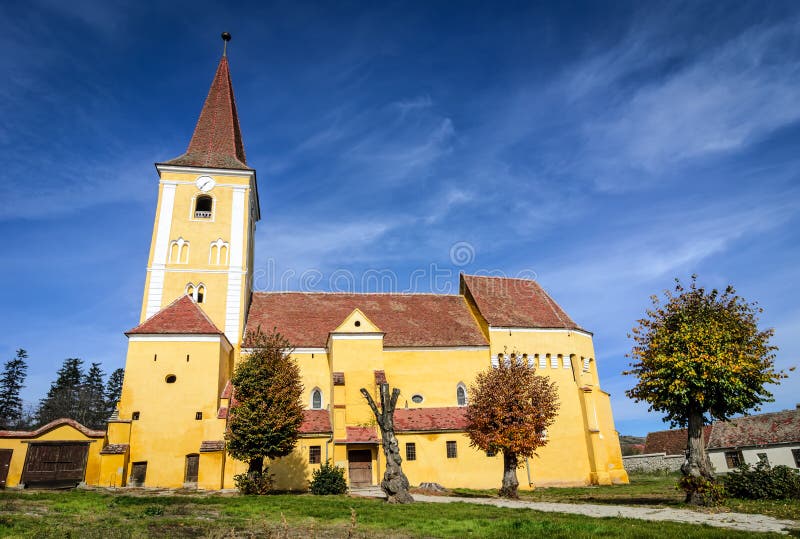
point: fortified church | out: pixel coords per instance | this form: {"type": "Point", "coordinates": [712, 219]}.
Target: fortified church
{"type": "Point", "coordinates": [199, 308]}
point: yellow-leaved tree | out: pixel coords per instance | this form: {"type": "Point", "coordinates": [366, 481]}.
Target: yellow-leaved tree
{"type": "Point", "coordinates": [700, 356]}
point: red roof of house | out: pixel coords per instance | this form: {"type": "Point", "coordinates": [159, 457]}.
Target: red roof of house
{"type": "Point", "coordinates": [217, 138]}
{"type": "Point", "coordinates": [90, 433]}
{"type": "Point", "coordinates": [315, 421]}
{"type": "Point", "coordinates": [181, 316]}
{"type": "Point", "coordinates": [306, 319]}
{"type": "Point", "coordinates": [518, 303]}
{"type": "Point", "coordinates": [671, 442]}
{"type": "Point", "coordinates": [755, 430]}
{"type": "Point", "coordinates": [430, 419]}
{"type": "Point", "coordinates": [360, 435]}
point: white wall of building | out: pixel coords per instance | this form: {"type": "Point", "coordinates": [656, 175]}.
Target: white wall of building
{"type": "Point", "coordinates": [777, 455]}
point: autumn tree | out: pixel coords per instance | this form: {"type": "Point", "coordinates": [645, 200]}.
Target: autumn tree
{"type": "Point", "coordinates": [395, 483]}
{"type": "Point", "coordinates": [11, 382]}
{"type": "Point", "coordinates": [509, 410]}
{"type": "Point", "coordinates": [267, 412]}
{"type": "Point", "coordinates": [700, 356]}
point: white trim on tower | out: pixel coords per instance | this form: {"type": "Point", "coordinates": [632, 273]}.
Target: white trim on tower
{"type": "Point", "coordinates": [233, 303]}
{"type": "Point", "coordinates": [156, 284]}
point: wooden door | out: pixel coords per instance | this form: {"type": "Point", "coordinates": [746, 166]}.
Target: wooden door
{"type": "Point", "coordinates": [192, 468]}
{"type": "Point", "coordinates": [138, 474]}
{"type": "Point", "coordinates": [5, 462]}
{"type": "Point", "coordinates": [55, 464]}
{"type": "Point", "coordinates": [360, 467]}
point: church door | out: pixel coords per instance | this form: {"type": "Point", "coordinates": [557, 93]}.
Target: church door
{"type": "Point", "coordinates": [360, 468]}
{"type": "Point", "coordinates": [5, 462]}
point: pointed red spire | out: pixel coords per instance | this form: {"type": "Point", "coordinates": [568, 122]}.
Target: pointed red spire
{"type": "Point", "coordinates": [217, 138]}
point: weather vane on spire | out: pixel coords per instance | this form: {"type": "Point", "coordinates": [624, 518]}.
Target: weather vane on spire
{"type": "Point", "coordinates": [226, 36]}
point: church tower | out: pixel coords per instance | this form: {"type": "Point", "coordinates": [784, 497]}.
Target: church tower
{"type": "Point", "coordinates": [170, 423]}
{"type": "Point", "coordinates": [202, 243]}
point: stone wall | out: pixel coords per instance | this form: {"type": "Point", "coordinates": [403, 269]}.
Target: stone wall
{"type": "Point", "coordinates": [652, 462]}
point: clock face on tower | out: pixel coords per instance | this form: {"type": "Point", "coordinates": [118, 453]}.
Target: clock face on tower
{"type": "Point", "coordinates": [205, 183]}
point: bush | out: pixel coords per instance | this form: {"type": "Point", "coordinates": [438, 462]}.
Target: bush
{"type": "Point", "coordinates": [710, 492]}
{"type": "Point", "coordinates": [763, 482]}
{"type": "Point", "coordinates": [328, 479]}
{"type": "Point", "coordinates": [259, 484]}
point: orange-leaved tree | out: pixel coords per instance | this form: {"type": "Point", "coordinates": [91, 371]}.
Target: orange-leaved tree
{"type": "Point", "coordinates": [509, 410]}
{"type": "Point", "coordinates": [700, 356]}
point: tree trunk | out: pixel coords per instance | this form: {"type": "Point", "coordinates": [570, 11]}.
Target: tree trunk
{"type": "Point", "coordinates": [255, 468]}
{"type": "Point", "coordinates": [395, 483]}
{"type": "Point", "coordinates": [510, 482]}
{"type": "Point", "coordinates": [696, 466]}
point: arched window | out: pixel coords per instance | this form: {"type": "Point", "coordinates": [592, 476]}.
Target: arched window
{"type": "Point", "coordinates": [203, 206]}
{"type": "Point", "coordinates": [218, 254]}
{"type": "Point", "coordinates": [179, 251]}
{"type": "Point", "coordinates": [197, 293]}
{"type": "Point", "coordinates": [461, 395]}
{"type": "Point", "coordinates": [316, 399]}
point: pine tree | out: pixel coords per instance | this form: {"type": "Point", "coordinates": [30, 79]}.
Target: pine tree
{"type": "Point", "coordinates": [11, 382]}
{"type": "Point", "coordinates": [113, 392]}
{"type": "Point", "coordinates": [63, 398]}
{"type": "Point", "coordinates": [91, 404]}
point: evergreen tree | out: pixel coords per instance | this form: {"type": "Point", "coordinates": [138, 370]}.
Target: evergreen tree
{"type": "Point", "coordinates": [267, 413]}
{"type": "Point", "coordinates": [11, 382]}
{"type": "Point", "coordinates": [113, 392]}
{"type": "Point", "coordinates": [63, 398]}
{"type": "Point", "coordinates": [92, 405]}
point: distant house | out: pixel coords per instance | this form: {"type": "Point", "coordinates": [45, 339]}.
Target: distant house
{"type": "Point", "coordinates": [772, 437]}
{"type": "Point", "coordinates": [670, 442]}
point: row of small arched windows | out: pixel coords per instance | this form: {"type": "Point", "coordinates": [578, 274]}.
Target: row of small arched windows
{"type": "Point", "coordinates": [197, 293]}
{"type": "Point", "coordinates": [217, 252]}
{"type": "Point", "coordinates": [543, 361]}
{"type": "Point", "coordinates": [461, 397]}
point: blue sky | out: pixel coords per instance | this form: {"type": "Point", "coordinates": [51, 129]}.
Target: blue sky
{"type": "Point", "coordinates": [604, 148]}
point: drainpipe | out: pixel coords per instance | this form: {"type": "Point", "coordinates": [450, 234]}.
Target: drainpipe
{"type": "Point", "coordinates": [330, 440]}
{"type": "Point", "coordinates": [528, 468]}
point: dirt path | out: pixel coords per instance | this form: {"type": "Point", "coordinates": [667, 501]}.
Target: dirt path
{"type": "Point", "coordinates": [734, 521]}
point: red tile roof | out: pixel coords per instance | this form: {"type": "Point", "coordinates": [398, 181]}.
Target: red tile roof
{"type": "Point", "coordinates": [756, 430]}
{"type": "Point", "coordinates": [518, 303]}
{"type": "Point", "coordinates": [209, 446]}
{"type": "Point", "coordinates": [306, 319]}
{"type": "Point", "coordinates": [671, 442]}
{"type": "Point", "coordinates": [315, 421]}
{"type": "Point", "coordinates": [114, 449]}
{"type": "Point", "coordinates": [227, 391]}
{"type": "Point", "coordinates": [430, 419]}
{"type": "Point", "coordinates": [181, 316]}
{"type": "Point", "coordinates": [360, 435]}
{"type": "Point", "coordinates": [217, 138]}
{"type": "Point", "coordinates": [90, 433]}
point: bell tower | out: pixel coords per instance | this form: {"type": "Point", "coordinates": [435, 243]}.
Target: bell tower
{"type": "Point", "coordinates": [202, 242]}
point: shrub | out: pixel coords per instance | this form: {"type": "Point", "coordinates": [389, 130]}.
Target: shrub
{"type": "Point", "coordinates": [710, 492]}
{"type": "Point", "coordinates": [763, 482]}
{"type": "Point", "coordinates": [259, 484]}
{"type": "Point", "coordinates": [153, 511]}
{"type": "Point", "coordinates": [328, 479]}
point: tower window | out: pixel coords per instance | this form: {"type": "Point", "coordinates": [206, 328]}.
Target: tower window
{"type": "Point", "coordinates": [198, 416]}
{"type": "Point", "coordinates": [203, 207]}
{"type": "Point", "coordinates": [316, 399]}
{"type": "Point", "coordinates": [170, 379]}
{"type": "Point", "coordinates": [197, 293]}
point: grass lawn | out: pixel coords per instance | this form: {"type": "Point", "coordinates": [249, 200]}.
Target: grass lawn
{"type": "Point", "coordinates": [647, 489]}
{"type": "Point", "coordinates": [90, 514]}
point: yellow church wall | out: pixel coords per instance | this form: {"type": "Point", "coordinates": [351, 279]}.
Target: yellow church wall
{"type": "Point", "coordinates": [210, 470]}
{"type": "Point", "coordinates": [167, 430]}
{"type": "Point", "coordinates": [112, 470]}
{"type": "Point", "coordinates": [315, 373]}
{"type": "Point", "coordinates": [358, 356]}
{"type": "Point", "coordinates": [65, 433]}
{"type": "Point", "coordinates": [432, 373]}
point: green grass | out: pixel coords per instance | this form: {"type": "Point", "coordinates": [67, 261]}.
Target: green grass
{"type": "Point", "coordinates": [93, 514]}
{"type": "Point", "coordinates": [647, 489]}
